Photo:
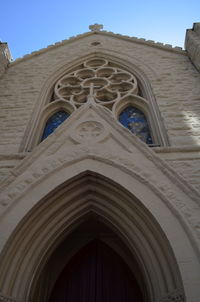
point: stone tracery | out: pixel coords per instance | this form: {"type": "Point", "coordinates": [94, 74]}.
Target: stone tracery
{"type": "Point", "coordinates": [106, 83]}
{"type": "Point", "coordinates": [101, 81]}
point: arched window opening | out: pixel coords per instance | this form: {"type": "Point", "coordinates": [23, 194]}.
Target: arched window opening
{"type": "Point", "coordinates": [110, 85]}
{"type": "Point", "coordinates": [134, 119]}
{"type": "Point", "coordinates": [54, 122]}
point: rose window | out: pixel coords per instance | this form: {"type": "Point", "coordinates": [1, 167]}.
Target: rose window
{"type": "Point", "coordinates": [107, 85]}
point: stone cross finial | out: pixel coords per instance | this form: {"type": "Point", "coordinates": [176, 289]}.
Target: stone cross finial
{"type": "Point", "coordinates": [96, 27]}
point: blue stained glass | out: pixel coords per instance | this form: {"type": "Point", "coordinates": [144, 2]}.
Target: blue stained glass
{"type": "Point", "coordinates": [53, 122]}
{"type": "Point", "coordinates": [135, 120]}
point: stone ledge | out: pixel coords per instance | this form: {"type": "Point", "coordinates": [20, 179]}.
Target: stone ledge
{"type": "Point", "coordinates": [182, 149]}
{"type": "Point", "coordinates": [13, 156]}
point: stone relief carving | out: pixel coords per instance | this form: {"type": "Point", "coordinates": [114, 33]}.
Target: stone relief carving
{"type": "Point", "coordinates": [88, 130]}
{"type": "Point", "coordinates": [175, 296]}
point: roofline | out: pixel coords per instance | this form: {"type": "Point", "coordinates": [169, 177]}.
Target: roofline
{"type": "Point", "coordinates": [158, 45]}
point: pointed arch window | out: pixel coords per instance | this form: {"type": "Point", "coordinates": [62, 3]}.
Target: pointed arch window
{"type": "Point", "coordinates": [135, 120]}
{"type": "Point", "coordinates": [111, 86]}
{"type": "Point", "coordinates": [54, 122]}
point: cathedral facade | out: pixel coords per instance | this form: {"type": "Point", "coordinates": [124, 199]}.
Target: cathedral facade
{"type": "Point", "coordinates": [100, 169]}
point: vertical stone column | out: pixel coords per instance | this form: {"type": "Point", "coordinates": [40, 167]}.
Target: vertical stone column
{"type": "Point", "coordinates": [192, 44]}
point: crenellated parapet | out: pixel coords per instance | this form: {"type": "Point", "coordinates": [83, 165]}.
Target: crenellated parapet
{"type": "Point", "coordinates": [192, 44]}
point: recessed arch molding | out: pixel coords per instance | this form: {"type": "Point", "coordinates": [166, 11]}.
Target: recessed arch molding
{"type": "Point", "coordinates": [59, 213]}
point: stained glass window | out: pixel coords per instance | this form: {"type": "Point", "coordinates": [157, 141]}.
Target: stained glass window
{"type": "Point", "coordinates": [53, 122]}
{"type": "Point", "coordinates": [135, 120]}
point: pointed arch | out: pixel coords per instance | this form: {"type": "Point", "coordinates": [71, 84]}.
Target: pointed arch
{"type": "Point", "coordinates": [57, 214]}
{"type": "Point", "coordinates": [159, 133]}
{"type": "Point", "coordinates": [141, 117]}
{"type": "Point", "coordinates": [49, 111]}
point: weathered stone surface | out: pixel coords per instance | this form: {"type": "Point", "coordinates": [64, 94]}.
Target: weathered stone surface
{"type": "Point", "coordinates": [174, 80]}
{"type": "Point", "coordinates": [192, 44]}
{"type": "Point", "coordinates": [5, 57]}
{"type": "Point", "coordinates": [161, 182]}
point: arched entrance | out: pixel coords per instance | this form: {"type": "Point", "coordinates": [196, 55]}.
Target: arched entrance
{"type": "Point", "coordinates": [60, 225]}
{"type": "Point", "coordinates": [96, 273]}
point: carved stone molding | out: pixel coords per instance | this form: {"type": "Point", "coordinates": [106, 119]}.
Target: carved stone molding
{"type": "Point", "coordinates": [175, 296]}
{"type": "Point", "coordinates": [6, 299]}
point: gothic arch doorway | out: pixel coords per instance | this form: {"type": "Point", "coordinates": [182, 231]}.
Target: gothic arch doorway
{"type": "Point", "coordinates": [96, 273]}
{"type": "Point", "coordinates": [92, 264]}
{"type": "Point", "coordinates": [88, 206]}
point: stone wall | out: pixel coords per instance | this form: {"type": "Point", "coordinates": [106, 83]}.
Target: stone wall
{"type": "Point", "coordinates": [174, 81]}
{"type": "Point", "coordinates": [149, 195]}
{"type": "Point", "coordinates": [192, 44]}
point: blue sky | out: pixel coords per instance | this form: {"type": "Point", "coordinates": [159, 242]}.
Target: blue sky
{"type": "Point", "coordinates": [30, 25]}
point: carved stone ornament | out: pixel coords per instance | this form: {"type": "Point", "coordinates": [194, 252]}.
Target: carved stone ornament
{"type": "Point", "coordinates": [6, 299]}
{"type": "Point", "coordinates": [175, 296]}
{"type": "Point", "coordinates": [96, 27]}
{"type": "Point", "coordinates": [89, 130]}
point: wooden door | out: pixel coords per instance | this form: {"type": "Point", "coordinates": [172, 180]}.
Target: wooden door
{"type": "Point", "coordinates": [96, 274]}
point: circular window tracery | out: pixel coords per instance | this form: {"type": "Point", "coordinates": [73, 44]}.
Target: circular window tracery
{"type": "Point", "coordinates": [109, 86]}
{"type": "Point", "coordinates": [108, 83]}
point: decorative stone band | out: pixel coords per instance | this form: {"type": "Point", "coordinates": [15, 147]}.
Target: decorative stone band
{"type": "Point", "coordinates": [175, 296]}
{"type": "Point", "coordinates": [6, 299]}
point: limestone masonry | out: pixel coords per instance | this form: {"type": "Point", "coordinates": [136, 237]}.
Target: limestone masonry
{"type": "Point", "coordinates": [94, 77]}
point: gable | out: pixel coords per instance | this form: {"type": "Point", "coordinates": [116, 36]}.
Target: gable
{"type": "Point", "coordinates": [32, 75]}
{"type": "Point", "coordinates": [96, 34]}
{"type": "Point", "coordinates": [91, 132]}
